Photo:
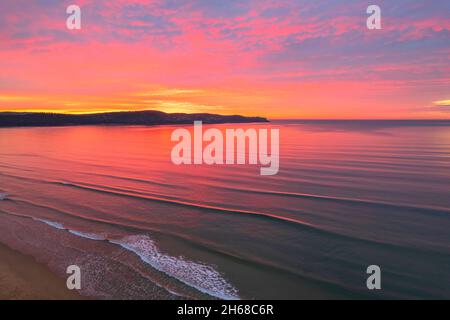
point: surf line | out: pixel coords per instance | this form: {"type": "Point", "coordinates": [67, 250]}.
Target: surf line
{"type": "Point", "coordinates": [234, 143]}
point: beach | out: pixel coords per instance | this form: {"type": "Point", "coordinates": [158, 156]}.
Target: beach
{"type": "Point", "coordinates": [22, 278]}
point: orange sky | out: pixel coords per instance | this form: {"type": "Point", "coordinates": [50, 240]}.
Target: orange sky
{"type": "Point", "coordinates": [283, 59]}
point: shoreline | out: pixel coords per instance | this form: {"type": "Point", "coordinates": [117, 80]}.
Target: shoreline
{"type": "Point", "coordinates": [23, 278]}
{"type": "Point", "coordinates": [148, 117]}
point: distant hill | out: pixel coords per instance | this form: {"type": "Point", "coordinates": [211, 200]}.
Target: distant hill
{"type": "Point", "coordinates": [29, 119]}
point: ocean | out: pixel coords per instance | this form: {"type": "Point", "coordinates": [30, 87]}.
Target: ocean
{"type": "Point", "coordinates": [348, 194]}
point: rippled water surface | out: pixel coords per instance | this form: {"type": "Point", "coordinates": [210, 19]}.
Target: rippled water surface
{"type": "Point", "coordinates": [348, 195]}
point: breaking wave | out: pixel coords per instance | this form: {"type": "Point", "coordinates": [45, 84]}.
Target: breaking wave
{"type": "Point", "coordinates": [200, 276]}
{"type": "Point", "coordinates": [194, 274]}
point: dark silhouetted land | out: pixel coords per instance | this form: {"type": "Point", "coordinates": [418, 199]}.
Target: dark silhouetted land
{"type": "Point", "coordinates": [29, 119]}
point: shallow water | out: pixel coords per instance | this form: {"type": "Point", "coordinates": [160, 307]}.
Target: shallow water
{"type": "Point", "coordinates": [348, 195]}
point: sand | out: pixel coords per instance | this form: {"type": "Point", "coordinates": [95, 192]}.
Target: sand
{"type": "Point", "coordinates": [22, 278]}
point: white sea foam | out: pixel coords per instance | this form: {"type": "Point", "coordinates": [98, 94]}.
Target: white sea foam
{"type": "Point", "coordinates": [3, 196]}
{"type": "Point", "coordinates": [56, 225]}
{"type": "Point", "coordinates": [197, 275]}
{"type": "Point", "coordinates": [88, 235]}
{"type": "Point", "coordinates": [194, 274]}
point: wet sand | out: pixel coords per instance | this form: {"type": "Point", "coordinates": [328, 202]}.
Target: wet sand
{"type": "Point", "coordinates": [22, 278]}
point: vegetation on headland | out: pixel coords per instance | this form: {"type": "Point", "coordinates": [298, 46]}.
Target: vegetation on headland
{"type": "Point", "coordinates": [149, 117]}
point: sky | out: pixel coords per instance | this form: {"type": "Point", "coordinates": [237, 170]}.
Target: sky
{"type": "Point", "coordinates": [277, 59]}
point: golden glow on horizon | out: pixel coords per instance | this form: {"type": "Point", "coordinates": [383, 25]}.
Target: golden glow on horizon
{"type": "Point", "coordinates": [442, 103]}
{"type": "Point", "coordinates": [66, 111]}
{"type": "Point", "coordinates": [170, 100]}
{"type": "Point", "coordinates": [245, 101]}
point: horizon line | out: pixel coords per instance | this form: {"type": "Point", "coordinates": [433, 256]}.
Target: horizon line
{"type": "Point", "coordinates": [242, 115]}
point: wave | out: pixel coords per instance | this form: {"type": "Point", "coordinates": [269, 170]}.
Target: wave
{"type": "Point", "coordinates": [144, 181]}
{"type": "Point", "coordinates": [136, 224]}
{"type": "Point", "coordinates": [89, 235]}
{"type": "Point", "coordinates": [141, 252]}
{"type": "Point", "coordinates": [257, 214]}
{"type": "Point", "coordinates": [56, 225]}
{"type": "Point", "coordinates": [143, 196]}
{"type": "Point", "coordinates": [197, 275]}
{"type": "Point", "coordinates": [368, 202]}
